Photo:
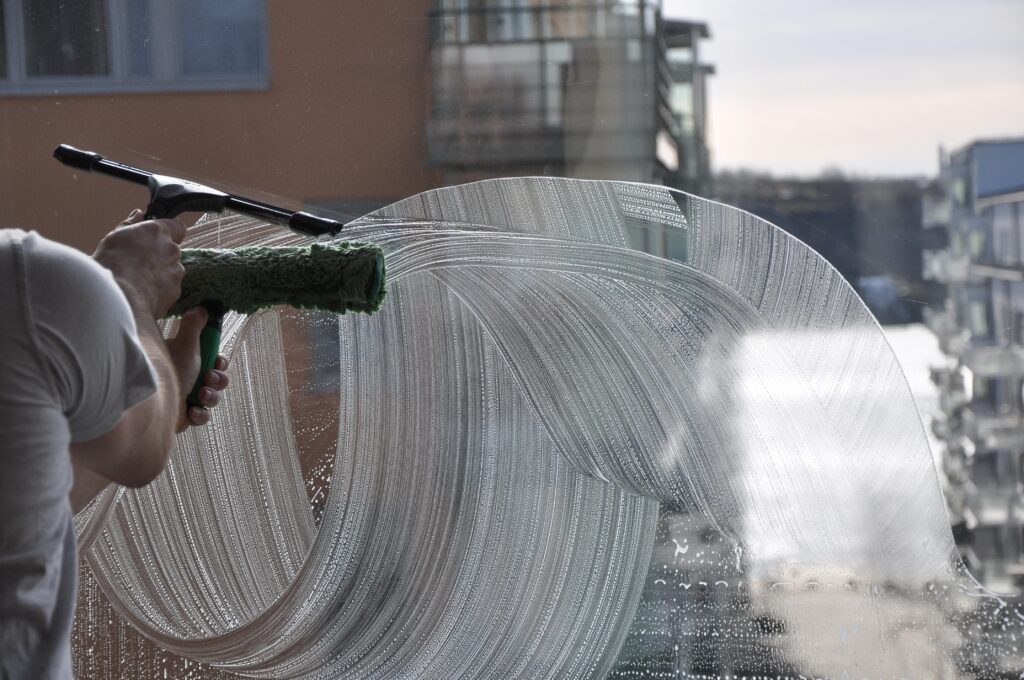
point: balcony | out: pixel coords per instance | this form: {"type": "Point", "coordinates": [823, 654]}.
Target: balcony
{"type": "Point", "coordinates": [946, 266]}
{"type": "Point", "coordinates": [994, 507]}
{"type": "Point", "coordinates": [935, 209]}
{"type": "Point", "coordinates": [985, 362]}
{"type": "Point", "coordinates": [991, 430]}
{"type": "Point", "coordinates": [491, 25]}
{"type": "Point", "coordinates": [956, 465]}
{"type": "Point", "coordinates": [994, 270]}
{"type": "Point", "coordinates": [570, 89]}
{"type": "Point", "coordinates": [952, 384]}
{"type": "Point", "coordinates": [953, 339]}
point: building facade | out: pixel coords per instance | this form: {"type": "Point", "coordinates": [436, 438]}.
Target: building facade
{"type": "Point", "coordinates": [604, 89]}
{"type": "Point", "coordinates": [298, 103]}
{"type": "Point", "coordinates": [979, 201]}
{"type": "Point", "coordinates": [295, 103]}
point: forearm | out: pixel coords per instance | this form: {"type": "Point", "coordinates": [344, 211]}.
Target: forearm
{"type": "Point", "coordinates": [154, 431]}
{"type": "Point", "coordinates": [136, 450]}
{"type": "Point", "coordinates": [145, 446]}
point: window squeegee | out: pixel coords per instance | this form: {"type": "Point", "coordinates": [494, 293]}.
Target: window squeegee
{"type": "Point", "coordinates": [338, 277]}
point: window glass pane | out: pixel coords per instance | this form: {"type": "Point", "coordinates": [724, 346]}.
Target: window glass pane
{"type": "Point", "coordinates": [3, 44]}
{"type": "Point", "coordinates": [1019, 229]}
{"type": "Point", "coordinates": [524, 334]}
{"type": "Point", "coordinates": [978, 320]}
{"type": "Point", "coordinates": [65, 38]}
{"type": "Point", "coordinates": [137, 22]}
{"type": "Point", "coordinates": [225, 37]}
{"type": "Point", "coordinates": [986, 470]}
{"type": "Point", "coordinates": [977, 243]}
{"type": "Point", "coordinates": [987, 543]}
{"type": "Point", "coordinates": [682, 106]}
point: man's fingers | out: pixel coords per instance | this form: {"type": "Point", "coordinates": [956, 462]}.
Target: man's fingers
{"type": "Point", "coordinates": [216, 379]}
{"type": "Point", "coordinates": [209, 397]}
{"type": "Point", "coordinates": [133, 217]}
{"type": "Point", "coordinates": [176, 230]}
{"type": "Point", "coordinates": [198, 416]}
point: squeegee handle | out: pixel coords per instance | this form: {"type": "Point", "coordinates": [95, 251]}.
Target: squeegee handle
{"type": "Point", "coordinates": [209, 349]}
{"type": "Point", "coordinates": [170, 196]}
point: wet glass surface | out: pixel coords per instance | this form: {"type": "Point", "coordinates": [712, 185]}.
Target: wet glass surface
{"type": "Point", "coordinates": [562, 457]}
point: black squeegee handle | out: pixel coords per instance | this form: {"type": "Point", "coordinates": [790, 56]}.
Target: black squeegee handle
{"type": "Point", "coordinates": [171, 196]}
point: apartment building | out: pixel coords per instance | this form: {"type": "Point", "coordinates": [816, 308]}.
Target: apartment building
{"type": "Point", "coordinates": [577, 88]}
{"type": "Point", "coordinates": [979, 201]}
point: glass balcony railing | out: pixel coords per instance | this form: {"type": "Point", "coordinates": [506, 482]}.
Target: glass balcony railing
{"type": "Point", "coordinates": [994, 429]}
{"type": "Point", "coordinates": [946, 266]}
{"type": "Point", "coordinates": [462, 25]}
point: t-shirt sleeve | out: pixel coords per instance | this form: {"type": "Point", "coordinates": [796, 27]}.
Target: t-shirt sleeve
{"type": "Point", "coordinates": [86, 337]}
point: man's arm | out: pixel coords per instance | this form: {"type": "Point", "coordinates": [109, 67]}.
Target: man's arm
{"type": "Point", "coordinates": [136, 450]}
{"type": "Point", "coordinates": [144, 258]}
{"type": "Point", "coordinates": [89, 483]}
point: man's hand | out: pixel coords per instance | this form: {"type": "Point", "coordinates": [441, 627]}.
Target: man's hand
{"type": "Point", "coordinates": [183, 349]}
{"type": "Point", "coordinates": [145, 259]}
{"type": "Point", "coordinates": [214, 382]}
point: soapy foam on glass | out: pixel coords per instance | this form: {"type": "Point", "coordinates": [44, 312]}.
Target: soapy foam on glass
{"type": "Point", "coordinates": [551, 454]}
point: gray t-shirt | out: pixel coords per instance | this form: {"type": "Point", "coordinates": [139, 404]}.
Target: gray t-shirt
{"type": "Point", "coordinates": [70, 366]}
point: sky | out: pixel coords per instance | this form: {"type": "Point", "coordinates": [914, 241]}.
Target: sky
{"type": "Point", "coordinates": [869, 87]}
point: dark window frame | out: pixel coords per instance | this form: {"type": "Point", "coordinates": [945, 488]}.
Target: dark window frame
{"type": "Point", "coordinates": [167, 73]}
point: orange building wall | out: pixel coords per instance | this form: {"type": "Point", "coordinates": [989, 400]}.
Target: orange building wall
{"type": "Point", "coordinates": [344, 117]}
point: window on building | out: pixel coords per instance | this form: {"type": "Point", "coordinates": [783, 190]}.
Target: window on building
{"type": "Point", "coordinates": [977, 319]}
{"type": "Point", "coordinates": [987, 543]}
{"type": "Point", "coordinates": [1019, 229]}
{"type": "Point", "coordinates": [981, 389]}
{"type": "Point", "coordinates": [1002, 311]}
{"type": "Point", "coordinates": [682, 107]}
{"type": "Point", "coordinates": [1005, 229]}
{"type": "Point", "coordinates": [206, 25]}
{"type": "Point", "coordinates": [94, 46]}
{"type": "Point", "coordinates": [65, 38]}
{"type": "Point", "coordinates": [985, 470]}
{"type": "Point", "coordinates": [959, 191]}
{"type": "Point", "coordinates": [977, 242]}
{"type": "Point", "coordinates": [997, 395]}
{"type": "Point", "coordinates": [3, 45]}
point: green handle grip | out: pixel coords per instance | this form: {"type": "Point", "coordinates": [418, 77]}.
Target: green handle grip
{"type": "Point", "coordinates": [209, 348]}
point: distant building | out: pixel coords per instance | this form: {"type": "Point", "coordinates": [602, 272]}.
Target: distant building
{"type": "Point", "coordinates": [868, 229]}
{"type": "Point", "coordinates": [979, 200]}
{"type": "Point", "coordinates": [689, 104]}
{"type": "Point", "coordinates": [604, 90]}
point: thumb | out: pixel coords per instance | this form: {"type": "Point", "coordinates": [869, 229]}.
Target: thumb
{"type": "Point", "coordinates": [133, 217]}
